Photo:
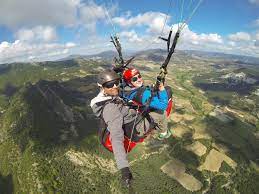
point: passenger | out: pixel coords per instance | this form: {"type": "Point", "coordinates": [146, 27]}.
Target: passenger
{"type": "Point", "coordinates": [157, 104]}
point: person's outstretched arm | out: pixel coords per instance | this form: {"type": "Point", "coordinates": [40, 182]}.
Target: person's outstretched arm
{"type": "Point", "coordinates": [114, 119]}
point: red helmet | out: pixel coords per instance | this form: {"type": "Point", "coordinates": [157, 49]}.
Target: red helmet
{"type": "Point", "coordinates": [129, 73]}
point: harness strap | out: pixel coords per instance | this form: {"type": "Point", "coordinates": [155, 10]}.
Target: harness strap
{"type": "Point", "coordinates": [138, 98]}
{"type": "Point", "coordinates": [128, 128]}
{"type": "Point", "coordinates": [131, 136]}
{"type": "Point", "coordinates": [103, 131]}
{"type": "Point", "coordinates": [139, 94]}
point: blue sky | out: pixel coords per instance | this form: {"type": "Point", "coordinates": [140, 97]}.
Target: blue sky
{"type": "Point", "coordinates": [222, 16]}
{"type": "Point", "coordinates": [46, 30]}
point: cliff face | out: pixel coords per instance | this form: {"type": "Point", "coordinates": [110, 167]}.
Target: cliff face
{"type": "Point", "coordinates": [45, 112]}
{"type": "Point", "coordinates": [43, 120]}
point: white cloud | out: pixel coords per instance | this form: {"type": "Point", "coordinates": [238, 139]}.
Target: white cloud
{"type": "Point", "coordinates": [240, 36]}
{"type": "Point", "coordinates": [190, 40]}
{"type": "Point", "coordinates": [90, 13]}
{"type": "Point", "coordinates": [203, 38]}
{"type": "Point", "coordinates": [217, 43]}
{"type": "Point", "coordinates": [70, 45]}
{"type": "Point", "coordinates": [37, 39]}
{"type": "Point", "coordinates": [241, 44]}
{"type": "Point", "coordinates": [34, 24]}
{"type": "Point", "coordinates": [131, 36]}
{"type": "Point", "coordinates": [157, 24]}
{"type": "Point", "coordinates": [153, 20]}
{"type": "Point", "coordinates": [256, 41]}
{"type": "Point", "coordinates": [17, 13]}
{"type": "Point", "coordinates": [69, 13]}
{"type": "Point", "coordinates": [231, 43]}
{"type": "Point", "coordinates": [254, 2]}
{"type": "Point", "coordinates": [199, 39]}
{"type": "Point", "coordinates": [39, 33]}
{"type": "Point", "coordinates": [256, 23]}
{"type": "Point", "coordinates": [24, 51]}
{"type": "Point", "coordinates": [58, 53]}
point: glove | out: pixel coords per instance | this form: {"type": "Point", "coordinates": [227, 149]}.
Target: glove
{"type": "Point", "coordinates": [126, 176]}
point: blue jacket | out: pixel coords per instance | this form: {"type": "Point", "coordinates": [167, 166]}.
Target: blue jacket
{"type": "Point", "coordinates": [158, 102]}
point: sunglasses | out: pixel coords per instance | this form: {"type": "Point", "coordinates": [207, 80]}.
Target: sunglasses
{"type": "Point", "coordinates": [111, 84]}
{"type": "Point", "coordinates": [135, 78]}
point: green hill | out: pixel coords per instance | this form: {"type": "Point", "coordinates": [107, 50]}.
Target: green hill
{"type": "Point", "coordinates": [48, 133]}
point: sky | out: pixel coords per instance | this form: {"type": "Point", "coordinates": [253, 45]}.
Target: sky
{"type": "Point", "coordinates": [36, 30]}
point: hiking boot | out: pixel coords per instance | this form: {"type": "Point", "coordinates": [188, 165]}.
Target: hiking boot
{"type": "Point", "coordinates": [164, 135]}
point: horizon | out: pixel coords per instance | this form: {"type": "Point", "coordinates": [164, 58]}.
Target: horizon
{"type": "Point", "coordinates": [84, 27]}
{"type": "Point", "coordinates": [74, 56]}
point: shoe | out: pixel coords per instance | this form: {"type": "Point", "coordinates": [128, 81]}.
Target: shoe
{"type": "Point", "coordinates": [165, 135]}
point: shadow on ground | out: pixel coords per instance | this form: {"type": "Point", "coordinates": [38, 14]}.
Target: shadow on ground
{"type": "Point", "coordinates": [237, 136]}
{"type": "Point", "coordinates": [54, 113]}
{"type": "Point", "coordinates": [6, 184]}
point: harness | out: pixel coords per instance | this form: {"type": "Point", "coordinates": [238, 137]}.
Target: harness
{"type": "Point", "coordinates": [131, 136]}
{"type": "Point", "coordinates": [137, 99]}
